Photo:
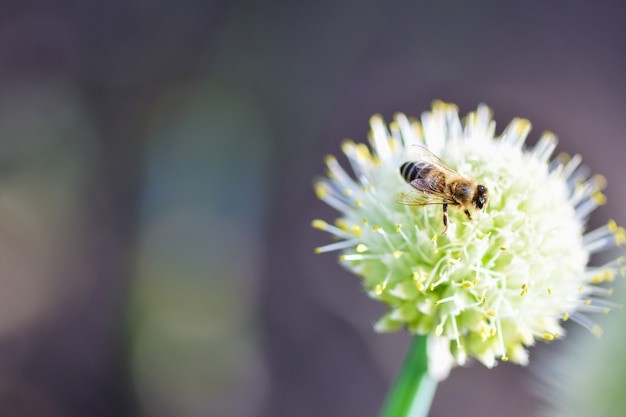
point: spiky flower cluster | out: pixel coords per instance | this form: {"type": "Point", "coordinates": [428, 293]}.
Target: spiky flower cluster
{"type": "Point", "coordinates": [490, 287]}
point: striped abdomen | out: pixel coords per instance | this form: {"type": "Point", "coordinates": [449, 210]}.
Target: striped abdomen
{"type": "Point", "coordinates": [423, 175]}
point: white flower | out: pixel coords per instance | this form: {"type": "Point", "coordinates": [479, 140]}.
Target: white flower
{"type": "Point", "coordinates": [491, 286]}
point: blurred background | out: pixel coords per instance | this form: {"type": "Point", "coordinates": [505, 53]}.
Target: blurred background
{"type": "Point", "coordinates": [156, 162]}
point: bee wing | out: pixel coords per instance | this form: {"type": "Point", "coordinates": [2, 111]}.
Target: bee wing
{"type": "Point", "coordinates": [425, 191]}
{"type": "Point", "coordinates": [422, 154]}
{"type": "Point", "coordinates": [425, 185]}
{"type": "Point", "coordinates": [423, 197]}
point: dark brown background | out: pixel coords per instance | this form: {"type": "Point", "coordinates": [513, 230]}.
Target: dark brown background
{"type": "Point", "coordinates": [155, 190]}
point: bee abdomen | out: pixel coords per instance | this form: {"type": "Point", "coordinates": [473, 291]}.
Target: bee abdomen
{"type": "Point", "coordinates": [414, 170]}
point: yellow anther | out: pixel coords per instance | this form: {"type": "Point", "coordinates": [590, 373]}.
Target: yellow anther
{"type": "Point", "coordinates": [432, 286]}
{"type": "Point", "coordinates": [612, 225]}
{"type": "Point", "coordinates": [549, 290]}
{"type": "Point", "coordinates": [343, 257]}
{"type": "Point", "coordinates": [606, 310]}
{"type": "Point", "coordinates": [492, 331]}
{"type": "Point", "coordinates": [548, 336]}
{"type": "Point", "coordinates": [504, 358]}
{"type": "Point", "coordinates": [347, 146]}
{"type": "Point", "coordinates": [587, 302]}
{"type": "Point", "coordinates": [347, 191]}
{"type": "Point", "coordinates": [380, 288]}
{"type": "Point", "coordinates": [522, 126]}
{"type": "Point", "coordinates": [502, 248]}
{"type": "Point", "coordinates": [442, 106]}
{"type": "Point", "coordinates": [467, 284]}
{"type": "Point", "coordinates": [342, 224]}
{"type": "Point", "coordinates": [596, 330]}
{"type": "Point", "coordinates": [376, 118]}
{"type": "Point", "coordinates": [318, 250]}
{"type": "Point", "coordinates": [365, 220]}
{"type": "Point", "coordinates": [364, 152]}
{"type": "Point", "coordinates": [599, 198]}
{"type": "Point", "coordinates": [439, 330]}
{"type": "Point", "coordinates": [319, 224]}
{"type": "Point", "coordinates": [376, 228]}
{"type": "Point", "coordinates": [434, 239]}
{"type": "Point", "coordinates": [620, 236]}
{"type": "Point", "coordinates": [600, 181]}
{"type": "Point", "coordinates": [565, 317]}
{"type": "Point", "coordinates": [609, 275]}
{"type": "Point", "coordinates": [492, 313]}
{"type": "Point", "coordinates": [329, 159]}
{"type": "Point", "coordinates": [597, 279]}
{"type": "Point", "coordinates": [420, 286]}
{"type": "Point", "coordinates": [397, 254]}
{"type": "Point", "coordinates": [417, 127]}
{"type": "Point", "coordinates": [563, 157]}
{"type": "Point", "coordinates": [321, 190]}
{"type": "Point", "coordinates": [581, 288]}
{"type": "Point", "coordinates": [360, 248]}
{"type": "Point", "coordinates": [358, 202]}
{"type": "Point", "coordinates": [398, 228]}
{"type": "Point", "coordinates": [356, 229]}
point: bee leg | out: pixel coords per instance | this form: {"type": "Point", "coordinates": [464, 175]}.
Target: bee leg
{"type": "Point", "coordinates": [468, 214]}
{"type": "Point", "coordinates": [445, 219]}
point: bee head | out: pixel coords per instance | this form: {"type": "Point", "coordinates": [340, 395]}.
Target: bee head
{"type": "Point", "coordinates": [480, 199]}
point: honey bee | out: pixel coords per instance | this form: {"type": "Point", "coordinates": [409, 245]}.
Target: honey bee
{"type": "Point", "coordinates": [436, 183]}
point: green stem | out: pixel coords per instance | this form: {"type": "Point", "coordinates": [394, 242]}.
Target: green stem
{"type": "Point", "coordinates": [413, 390]}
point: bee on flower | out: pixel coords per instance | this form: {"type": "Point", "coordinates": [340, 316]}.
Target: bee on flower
{"type": "Point", "coordinates": [512, 262]}
{"type": "Point", "coordinates": [437, 183]}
